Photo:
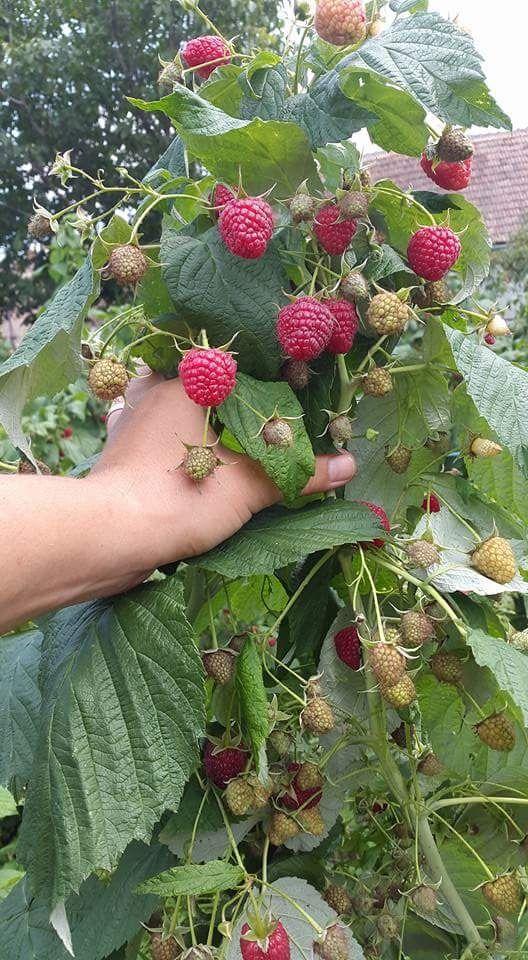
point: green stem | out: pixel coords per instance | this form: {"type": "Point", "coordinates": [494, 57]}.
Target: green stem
{"type": "Point", "coordinates": [411, 200]}
{"type": "Point", "coordinates": [212, 922]}
{"type": "Point", "coordinates": [347, 387]}
{"type": "Point", "coordinates": [426, 587]}
{"type": "Point", "coordinates": [465, 844]}
{"type": "Point", "coordinates": [409, 368]}
{"type": "Point", "coordinates": [9, 467]}
{"type": "Point", "coordinates": [306, 916]}
{"type": "Point", "coordinates": [295, 596]}
{"type": "Point", "coordinates": [298, 62]}
{"type": "Point", "coordinates": [458, 801]}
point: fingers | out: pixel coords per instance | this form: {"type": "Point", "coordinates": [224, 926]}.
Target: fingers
{"type": "Point", "coordinates": [331, 471]}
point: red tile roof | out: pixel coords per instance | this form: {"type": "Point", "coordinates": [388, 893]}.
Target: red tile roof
{"type": "Point", "coordinates": [499, 183]}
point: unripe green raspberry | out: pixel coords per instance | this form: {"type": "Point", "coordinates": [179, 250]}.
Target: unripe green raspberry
{"type": "Point", "coordinates": [387, 315]}
{"type": "Point", "coordinates": [432, 293]}
{"type": "Point", "coordinates": [430, 766]}
{"type": "Point", "coordinates": [282, 828]}
{"type": "Point", "coordinates": [519, 640]}
{"type": "Point", "coordinates": [378, 382]}
{"type": "Point", "coordinates": [340, 429]}
{"type": "Point", "coordinates": [219, 664]}
{"type": "Point", "coordinates": [400, 694]}
{"type": "Point", "coordinates": [416, 627]}
{"type": "Point", "coordinates": [318, 716]}
{"type": "Point", "coordinates": [422, 554]}
{"type": "Point", "coordinates": [354, 287]}
{"type": "Point", "coordinates": [497, 732]}
{"type": "Point", "coordinates": [399, 459]}
{"type": "Point", "coordinates": [168, 949]}
{"type": "Point", "coordinates": [333, 945]}
{"type": "Point", "coordinates": [504, 893]}
{"type": "Point", "coordinates": [108, 378]}
{"type": "Point", "coordinates": [127, 265]}
{"type": "Point", "coordinates": [388, 927]}
{"type": "Point", "coordinates": [278, 433]}
{"type": "Point", "coordinates": [238, 796]}
{"type": "Point", "coordinates": [425, 899]}
{"type": "Point", "coordinates": [353, 203]}
{"type": "Point", "coordinates": [26, 467]}
{"type": "Point", "coordinates": [302, 207]}
{"type": "Point", "coordinates": [311, 821]}
{"type": "Point", "coordinates": [494, 558]}
{"type": "Point", "coordinates": [454, 146]}
{"type": "Point", "coordinates": [446, 667]}
{"type": "Point", "coordinates": [338, 898]}
{"type": "Point", "coordinates": [296, 373]}
{"type": "Point", "coordinates": [281, 742]}
{"type": "Point", "coordinates": [386, 663]}
{"type": "Point", "coordinates": [199, 463]}
{"type": "Point", "coordinates": [38, 226]}
{"type": "Point", "coordinates": [308, 777]}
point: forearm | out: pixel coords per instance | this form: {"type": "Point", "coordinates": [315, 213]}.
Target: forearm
{"type": "Point", "coordinates": [63, 541]}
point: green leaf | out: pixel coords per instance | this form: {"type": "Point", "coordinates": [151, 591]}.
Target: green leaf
{"type": "Point", "coordinates": [248, 599]}
{"type": "Point", "coordinates": [49, 357]}
{"type": "Point", "coordinates": [19, 706]}
{"type": "Point", "coordinates": [499, 391]}
{"type": "Point", "coordinates": [437, 63]}
{"type": "Point", "coordinates": [253, 701]}
{"type": "Point", "coordinates": [264, 153]}
{"type": "Point", "coordinates": [443, 713]}
{"type": "Point", "coordinates": [8, 806]}
{"type": "Point", "coordinates": [400, 122]}
{"type": "Point", "coordinates": [325, 113]}
{"type": "Point", "coordinates": [104, 665]}
{"type": "Point", "coordinates": [277, 537]}
{"type": "Point", "coordinates": [210, 287]}
{"type": "Point", "coordinates": [289, 467]}
{"type": "Point", "coordinates": [223, 90]}
{"type": "Point", "coordinates": [508, 665]}
{"type": "Point", "coordinates": [210, 840]}
{"type": "Point", "coordinates": [102, 916]}
{"type": "Point", "coordinates": [264, 93]}
{"type": "Point", "coordinates": [194, 879]}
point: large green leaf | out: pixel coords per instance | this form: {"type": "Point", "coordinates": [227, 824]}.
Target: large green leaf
{"type": "Point", "coordinates": [245, 412]}
{"type": "Point", "coordinates": [193, 879]}
{"type": "Point", "coordinates": [248, 599]}
{"type": "Point", "coordinates": [8, 807]}
{"type": "Point", "coordinates": [210, 839]}
{"type": "Point", "coordinates": [499, 391]}
{"type": "Point", "coordinates": [49, 357]}
{"type": "Point", "coordinates": [264, 93]}
{"type": "Point", "coordinates": [122, 711]}
{"type": "Point", "coordinates": [325, 113]}
{"type": "Point", "coordinates": [400, 122]}
{"type": "Point", "coordinates": [276, 537]}
{"type": "Point", "coordinates": [508, 665]}
{"type": "Point", "coordinates": [101, 917]}
{"type": "Point", "coordinates": [213, 288]}
{"type": "Point", "coordinates": [437, 63]}
{"type": "Point", "coordinates": [19, 706]}
{"type": "Point", "coordinates": [253, 701]}
{"type": "Point", "coordinates": [267, 153]}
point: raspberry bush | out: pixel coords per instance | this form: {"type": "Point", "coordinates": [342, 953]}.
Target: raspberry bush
{"type": "Point", "coordinates": [312, 740]}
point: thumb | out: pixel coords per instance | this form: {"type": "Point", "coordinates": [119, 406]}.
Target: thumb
{"type": "Point", "coordinates": [331, 471]}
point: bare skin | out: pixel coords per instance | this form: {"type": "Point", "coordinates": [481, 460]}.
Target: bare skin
{"type": "Point", "coordinates": [64, 540]}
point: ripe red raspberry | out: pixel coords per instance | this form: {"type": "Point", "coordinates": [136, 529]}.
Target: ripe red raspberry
{"type": "Point", "coordinates": [296, 796]}
{"type": "Point", "coordinates": [304, 328]}
{"type": "Point", "coordinates": [211, 51]}
{"type": "Point", "coordinates": [381, 515]}
{"type": "Point", "coordinates": [276, 946]}
{"type": "Point", "coordinates": [223, 763]}
{"type": "Point", "coordinates": [246, 227]}
{"type": "Point", "coordinates": [67, 432]}
{"type": "Point", "coordinates": [340, 21]}
{"type": "Point", "coordinates": [449, 176]}
{"type": "Point", "coordinates": [431, 503]}
{"type": "Point", "coordinates": [348, 647]}
{"type": "Point", "coordinates": [432, 251]}
{"type": "Point", "coordinates": [346, 325]}
{"type": "Point", "coordinates": [220, 196]}
{"type": "Point", "coordinates": [333, 232]}
{"type": "Point", "coordinates": [208, 375]}
{"type": "Point", "coordinates": [490, 339]}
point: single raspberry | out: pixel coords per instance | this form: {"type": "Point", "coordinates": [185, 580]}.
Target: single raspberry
{"type": "Point", "coordinates": [206, 54]}
{"type": "Point", "coordinates": [388, 927]}
{"type": "Point", "coordinates": [108, 378]}
{"type": "Point", "coordinates": [353, 203]}
{"type": "Point", "coordinates": [379, 512]}
{"type": "Point", "coordinates": [281, 742]}
{"type": "Point", "coordinates": [312, 821]}
{"type": "Point", "coordinates": [340, 429]}
{"type": "Point", "coordinates": [341, 22]}
{"type": "Point", "coordinates": [199, 463]}
{"type": "Point", "coordinates": [439, 445]}
{"type": "Point", "coordinates": [481, 448]}
{"type": "Point", "coordinates": [220, 196]}
{"type": "Point", "coordinates": [490, 340]}
{"type": "Point", "coordinates": [454, 146]}
{"type": "Point", "coordinates": [386, 663]}
{"type": "Point", "coordinates": [222, 764]}
{"type": "Point", "coordinates": [422, 554]}
{"type": "Point", "coordinates": [127, 265]}
{"type": "Point", "coordinates": [168, 949]}
{"type": "Point", "coordinates": [431, 503]}
{"type": "Point", "coordinates": [432, 251]}
{"type": "Point", "coordinates": [338, 899]}
{"type": "Point", "coordinates": [400, 694]}
{"type": "Point", "coordinates": [399, 459]}
{"type": "Point", "coordinates": [219, 664]}
{"type": "Point", "coordinates": [497, 732]}
{"type": "Point", "coordinates": [170, 75]}
{"type": "Point", "coordinates": [392, 635]}
{"type": "Point", "coordinates": [246, 227]}
{"type": "Point", "coordinates": [387, 315]}
{"type": "Point", "coordinates": [378, 382]}
{"type": "Point", "coordinates": [354, 287]}
{"type": "Point", "coordinates": [239, 796]}
{"type": "Point", "coordinates": [296, 373]}
{"type": "Point", "coordinates": [304, 328]}
{"type": "Point", "coordinates": [504, 893]}
{"type": "Point", "coordinates": [67, 433]}
{"type": "Point", "coordinates": [494, 558]}
{"type": "Point", "coordinates": [302, 207]}
{"type": "Point", "coordinates": [261, 792]}
{"type": "Point", "coordinates": [348, 647]}
{"type": "Point", "coordinates": [208, 375]}
{"type": "Point", "coordinates": [431, 294]}
{"type": "Point", "coordinates": [333, 944]}
{"type": "Point", "coordinates": [278, 433]}
{"type": "Point", "coordinates": [446, 667]}
{"type": "Point", "coordinates": [38, 226]}
{"type": "Point", "coordinates": [425, 899]}
{"type": "Point", "coordinates": [282, 828]}
{"type": "Point", "coordinates": [498, 327]}
{"type": "Point", "coordinates": [399, 736]}
{"type": "Point", "coordinates": [305, 792]}
{"type": "Point", "coordinates": [430, 766]}
{"type": "Point", "coordinates": [346, 323]}
{"type": "Point", "coordinates": [416, 627]}
{"type": "Point", "coordinates": [519, 640]}
{"type": "Point", "coordinates": [449, 176]}
{"type": "Point", "coordinates": [334, 232]}
{"type": "Point", "coordinates": [274, 946]}
{"type": "Point", "coordinates": [505, 932]}
{"type": "Point", "coordinates": [318, 716]}
{"type": "Point", "coordinates": [25, 466]}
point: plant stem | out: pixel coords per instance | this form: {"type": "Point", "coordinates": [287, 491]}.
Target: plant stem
{"type": "Point", "coordinates": [456, 801]}
{"type": "Point", "coordinates": [295, 596]}
{"type": "Point", "coordinates": [426, 587]}
{"type": "Point", "coordinates": [8, 467]}
{"type": "Point", "coordinates": [465, 844]}
{"type": "Point", "coordinates": [306, 916]}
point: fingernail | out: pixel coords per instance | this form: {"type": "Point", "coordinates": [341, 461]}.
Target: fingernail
{"type": "Point", "coordinates": [341, 469]}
